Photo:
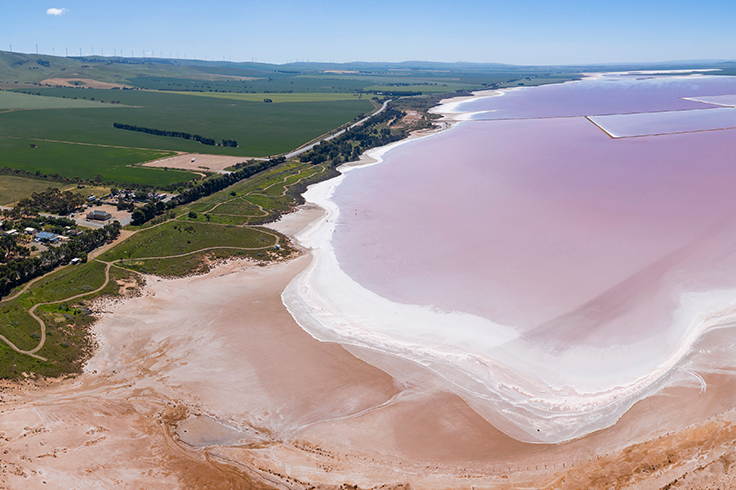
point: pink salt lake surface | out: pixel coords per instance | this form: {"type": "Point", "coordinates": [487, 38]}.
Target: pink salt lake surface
{"type": "Point", "coordinates": [549, 274]}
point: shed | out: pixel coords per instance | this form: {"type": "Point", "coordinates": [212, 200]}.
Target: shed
{"type": "Point", "coordinates": [43, 236]}
{"type": "Point", "coordinates": [99, 215]}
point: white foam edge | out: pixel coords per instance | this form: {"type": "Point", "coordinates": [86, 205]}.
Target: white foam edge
{"type": "Point", "coordinates": [544, 408]}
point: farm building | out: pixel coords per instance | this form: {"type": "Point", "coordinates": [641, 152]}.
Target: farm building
{"type": "Point", "coordinates": [43, 236]}
{"type": "Point", "coordinates": [99, 215]}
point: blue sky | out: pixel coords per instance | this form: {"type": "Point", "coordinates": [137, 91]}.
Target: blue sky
{"type": "Point", "coordinates": [278, 31]}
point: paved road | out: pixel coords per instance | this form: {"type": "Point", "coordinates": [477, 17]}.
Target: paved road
{"type": "Point", "coordinates": [328, 138]}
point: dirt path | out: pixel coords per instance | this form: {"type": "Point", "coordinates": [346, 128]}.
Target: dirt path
{"type": "Point", "coordinates": [32, 310]}
{"type": "Point", "coordinates": [124, 236]}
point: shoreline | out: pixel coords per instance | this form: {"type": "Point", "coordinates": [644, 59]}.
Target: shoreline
{"type": "Point", "coordinates": [207, 379]}
{"type": "Point", "coordinates": [324, 317]}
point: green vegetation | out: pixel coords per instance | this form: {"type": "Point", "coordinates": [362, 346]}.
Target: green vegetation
{"type": "Point", "coordinates": [68, 343]}
{"type": "Point", "coordinates": [176, 238]}
{"type": "Point", "coordinates": [261, 198]}
{"type": "Point", "coordinates": [14, 100]}
{"type": "Point", "coordinates": [177, 248]}
{"type": "Point", "coordinates": [279, 98]}
{"type": "Point", "coordinates": [52, 200]}
{"type": "Point", "coordinates": [13, 188]}
{"type": "Point", "coordinates": [260, 129]}
{"type": "Point", "coordinates": [85, 161]}
{"type": "Point", "coordinates": [20, 270]}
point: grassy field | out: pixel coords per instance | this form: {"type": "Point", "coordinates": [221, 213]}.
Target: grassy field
{"type": "Point", "coordinates": [260, 129]}
{"type": "Point", "coordinates": [279, 98]}
{"type": "Point", "coordinates": [15, 100]}
{"type": "Point", "coordinates": [259, 198]}
{"type": "Point", "coordinates": [67, 341]}
{"type": "Point", "coordinates": [85, 161]}
{"type": "Point", "coordinates": [176, 247]}
{"type": "Point", "coordinates": [13, 188]}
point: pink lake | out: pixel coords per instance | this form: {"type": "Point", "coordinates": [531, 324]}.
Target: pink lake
{"type": "Point", "coordinates": [549, 274]}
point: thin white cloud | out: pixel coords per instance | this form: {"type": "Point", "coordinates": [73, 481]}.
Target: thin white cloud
{"type": "Point", "coordinates": [54, 11]}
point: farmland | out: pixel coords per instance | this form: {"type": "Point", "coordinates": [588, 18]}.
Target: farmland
{"type": "Point", "coordinates": [86, 161]}
{"type": "Point", "coordinates": [260, 129]}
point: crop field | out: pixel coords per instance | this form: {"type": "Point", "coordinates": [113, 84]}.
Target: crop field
{"type": "Point", "coordinates": [261, 129]}
{"type": "Point", "coordinates": [279, 97]}
{"type": "Point", "coordinates": [86, 161]}
{"type": "Point", "coordinates": [271, 82]}
{"type": "Point", "coordinates": [16, 100]}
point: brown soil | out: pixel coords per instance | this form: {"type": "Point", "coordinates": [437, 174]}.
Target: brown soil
{"type": "Point", "coordinates": [87, 82]}
{"type": "Point", "coordinates": [202, 162]}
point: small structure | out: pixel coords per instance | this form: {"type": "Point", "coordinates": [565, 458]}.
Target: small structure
{"type": "Point", "coordinates": [11, 232]}
{"type": "Point", "coordinates": [76, 260]}
{"type": "Point", "coordinates": [29, 231]}
{"type": "Point", "coordinates": [45, 236]}
{"type": "Point", "coordinates": [98, 215]}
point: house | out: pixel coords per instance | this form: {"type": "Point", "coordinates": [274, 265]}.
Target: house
{"type": "Point", "coordinates": [99, 215]}
{"type": "Point", "coordinates": [11, 232]}
{"type": "Point", "coordinates": [29, 231]}
{"type": "Point", "coordinates": [45, 236]}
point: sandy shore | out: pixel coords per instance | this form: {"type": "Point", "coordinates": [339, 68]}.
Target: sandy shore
{"type": "Point", "coordinates": [208, 382]}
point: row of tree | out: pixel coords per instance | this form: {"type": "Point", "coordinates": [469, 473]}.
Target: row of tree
{"type": "Point", "coordinates": [176, 134]}
{"type": "Point", "coordinates": [352, 143]}
{"type": "Point", "coordinates": [209, 186]}
{"type": "Point", "coordinates": [21, 271]}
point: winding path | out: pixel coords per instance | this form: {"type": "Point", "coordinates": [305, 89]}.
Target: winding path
{"type": "Point", "coordinates": [32, 310]}
{"type": "Point", "coordinates": [108, 265]}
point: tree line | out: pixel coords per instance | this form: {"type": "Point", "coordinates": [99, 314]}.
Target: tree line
{"type": "Point", "coordinates": [353, 142]}
{"type": "Point", "coordinates": [18, 272]}
{"type": "Point", "coordinates": [209, 186]}
{"type": "Point", "coordinates": [176, 134]}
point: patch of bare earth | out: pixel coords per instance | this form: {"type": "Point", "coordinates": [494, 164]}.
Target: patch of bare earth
{"type": "Point", "coordinates": [202, 162]}
{"type": "Point", "coordinates": [80, 82]}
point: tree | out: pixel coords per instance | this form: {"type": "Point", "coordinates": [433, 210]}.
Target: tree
{"type": "Point", "coordinates": [138, 217]}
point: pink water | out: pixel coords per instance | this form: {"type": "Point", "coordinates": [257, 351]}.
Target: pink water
{"type": "Point", "coordinates": [550, 274]}
{"type": "Point", "coordinates": [524, 221]}
{"type": "Point", "coordinates": [603, 95]}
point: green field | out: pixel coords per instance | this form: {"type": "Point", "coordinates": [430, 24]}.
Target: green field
{"type": "Point", "coordinates": [260, 129]}
{"type": "Point", "coordinates": [67, 341]}
{"type": "Point", "coordinates": [15, 100]}
{"type": "Point", "coordinates": [258, 198]}
{"type": "Point", "coordinates": [14, 188]}
{"type": "Point", "coordinates": [85, 161]}
{"type": "Point", "coordinates": [279, 98]}
{"type": "Point", "coordinates": [175, 238]}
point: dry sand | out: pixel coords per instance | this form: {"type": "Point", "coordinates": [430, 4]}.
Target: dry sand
{"type": "Point", "coordinates": [202, 162]}
{"type": "Point", "coordinates": [207, 382]}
